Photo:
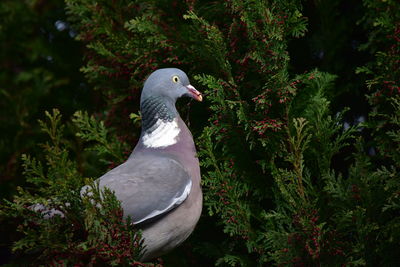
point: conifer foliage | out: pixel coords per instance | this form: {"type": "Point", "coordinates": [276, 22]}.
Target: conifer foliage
{"type": "Point", "coordinates": [269, 140]}
{"type": "Point", "coordinates": [58, 226]}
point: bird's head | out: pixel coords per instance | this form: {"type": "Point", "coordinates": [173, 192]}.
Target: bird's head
{"type": "Point", "coordinates": [170, 83]}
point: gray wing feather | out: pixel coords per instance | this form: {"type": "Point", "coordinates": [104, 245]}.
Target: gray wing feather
{"type": "Point", "coordinates": [148, 186]}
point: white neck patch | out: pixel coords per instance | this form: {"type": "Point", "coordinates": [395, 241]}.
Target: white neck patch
{"type": "Point", "coordinates": [165, 134]}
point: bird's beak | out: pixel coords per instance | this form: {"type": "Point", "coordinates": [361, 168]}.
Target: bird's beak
{"type": "Point", "coordinates": [193, 93]}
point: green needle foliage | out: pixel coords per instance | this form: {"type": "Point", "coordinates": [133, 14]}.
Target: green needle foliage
{"type": "Point", "coordinates": [292, 173]}
{"type": "Point", "coordinates": [57, 225]}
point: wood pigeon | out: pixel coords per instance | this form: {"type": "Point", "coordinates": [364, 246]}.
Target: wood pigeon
{"type": "Point", "coordinates": [159, 184]}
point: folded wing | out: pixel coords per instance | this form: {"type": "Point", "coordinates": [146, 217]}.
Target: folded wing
{"type": "Point", "coordinates": [148, 186]}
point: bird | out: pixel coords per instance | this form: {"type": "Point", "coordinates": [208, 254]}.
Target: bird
{"type": "Point", "coordinates": [159, 184]}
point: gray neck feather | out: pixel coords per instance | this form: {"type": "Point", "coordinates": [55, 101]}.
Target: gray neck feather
{"type": "Point", "coordinates": [154, 108]}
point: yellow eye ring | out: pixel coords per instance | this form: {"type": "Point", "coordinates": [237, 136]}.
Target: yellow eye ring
{"type": "Point", "coordinates": [175, 79]}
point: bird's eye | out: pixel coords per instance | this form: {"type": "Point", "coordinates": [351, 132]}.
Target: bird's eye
{"type": "Point", "coordinates": [175, 79]}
